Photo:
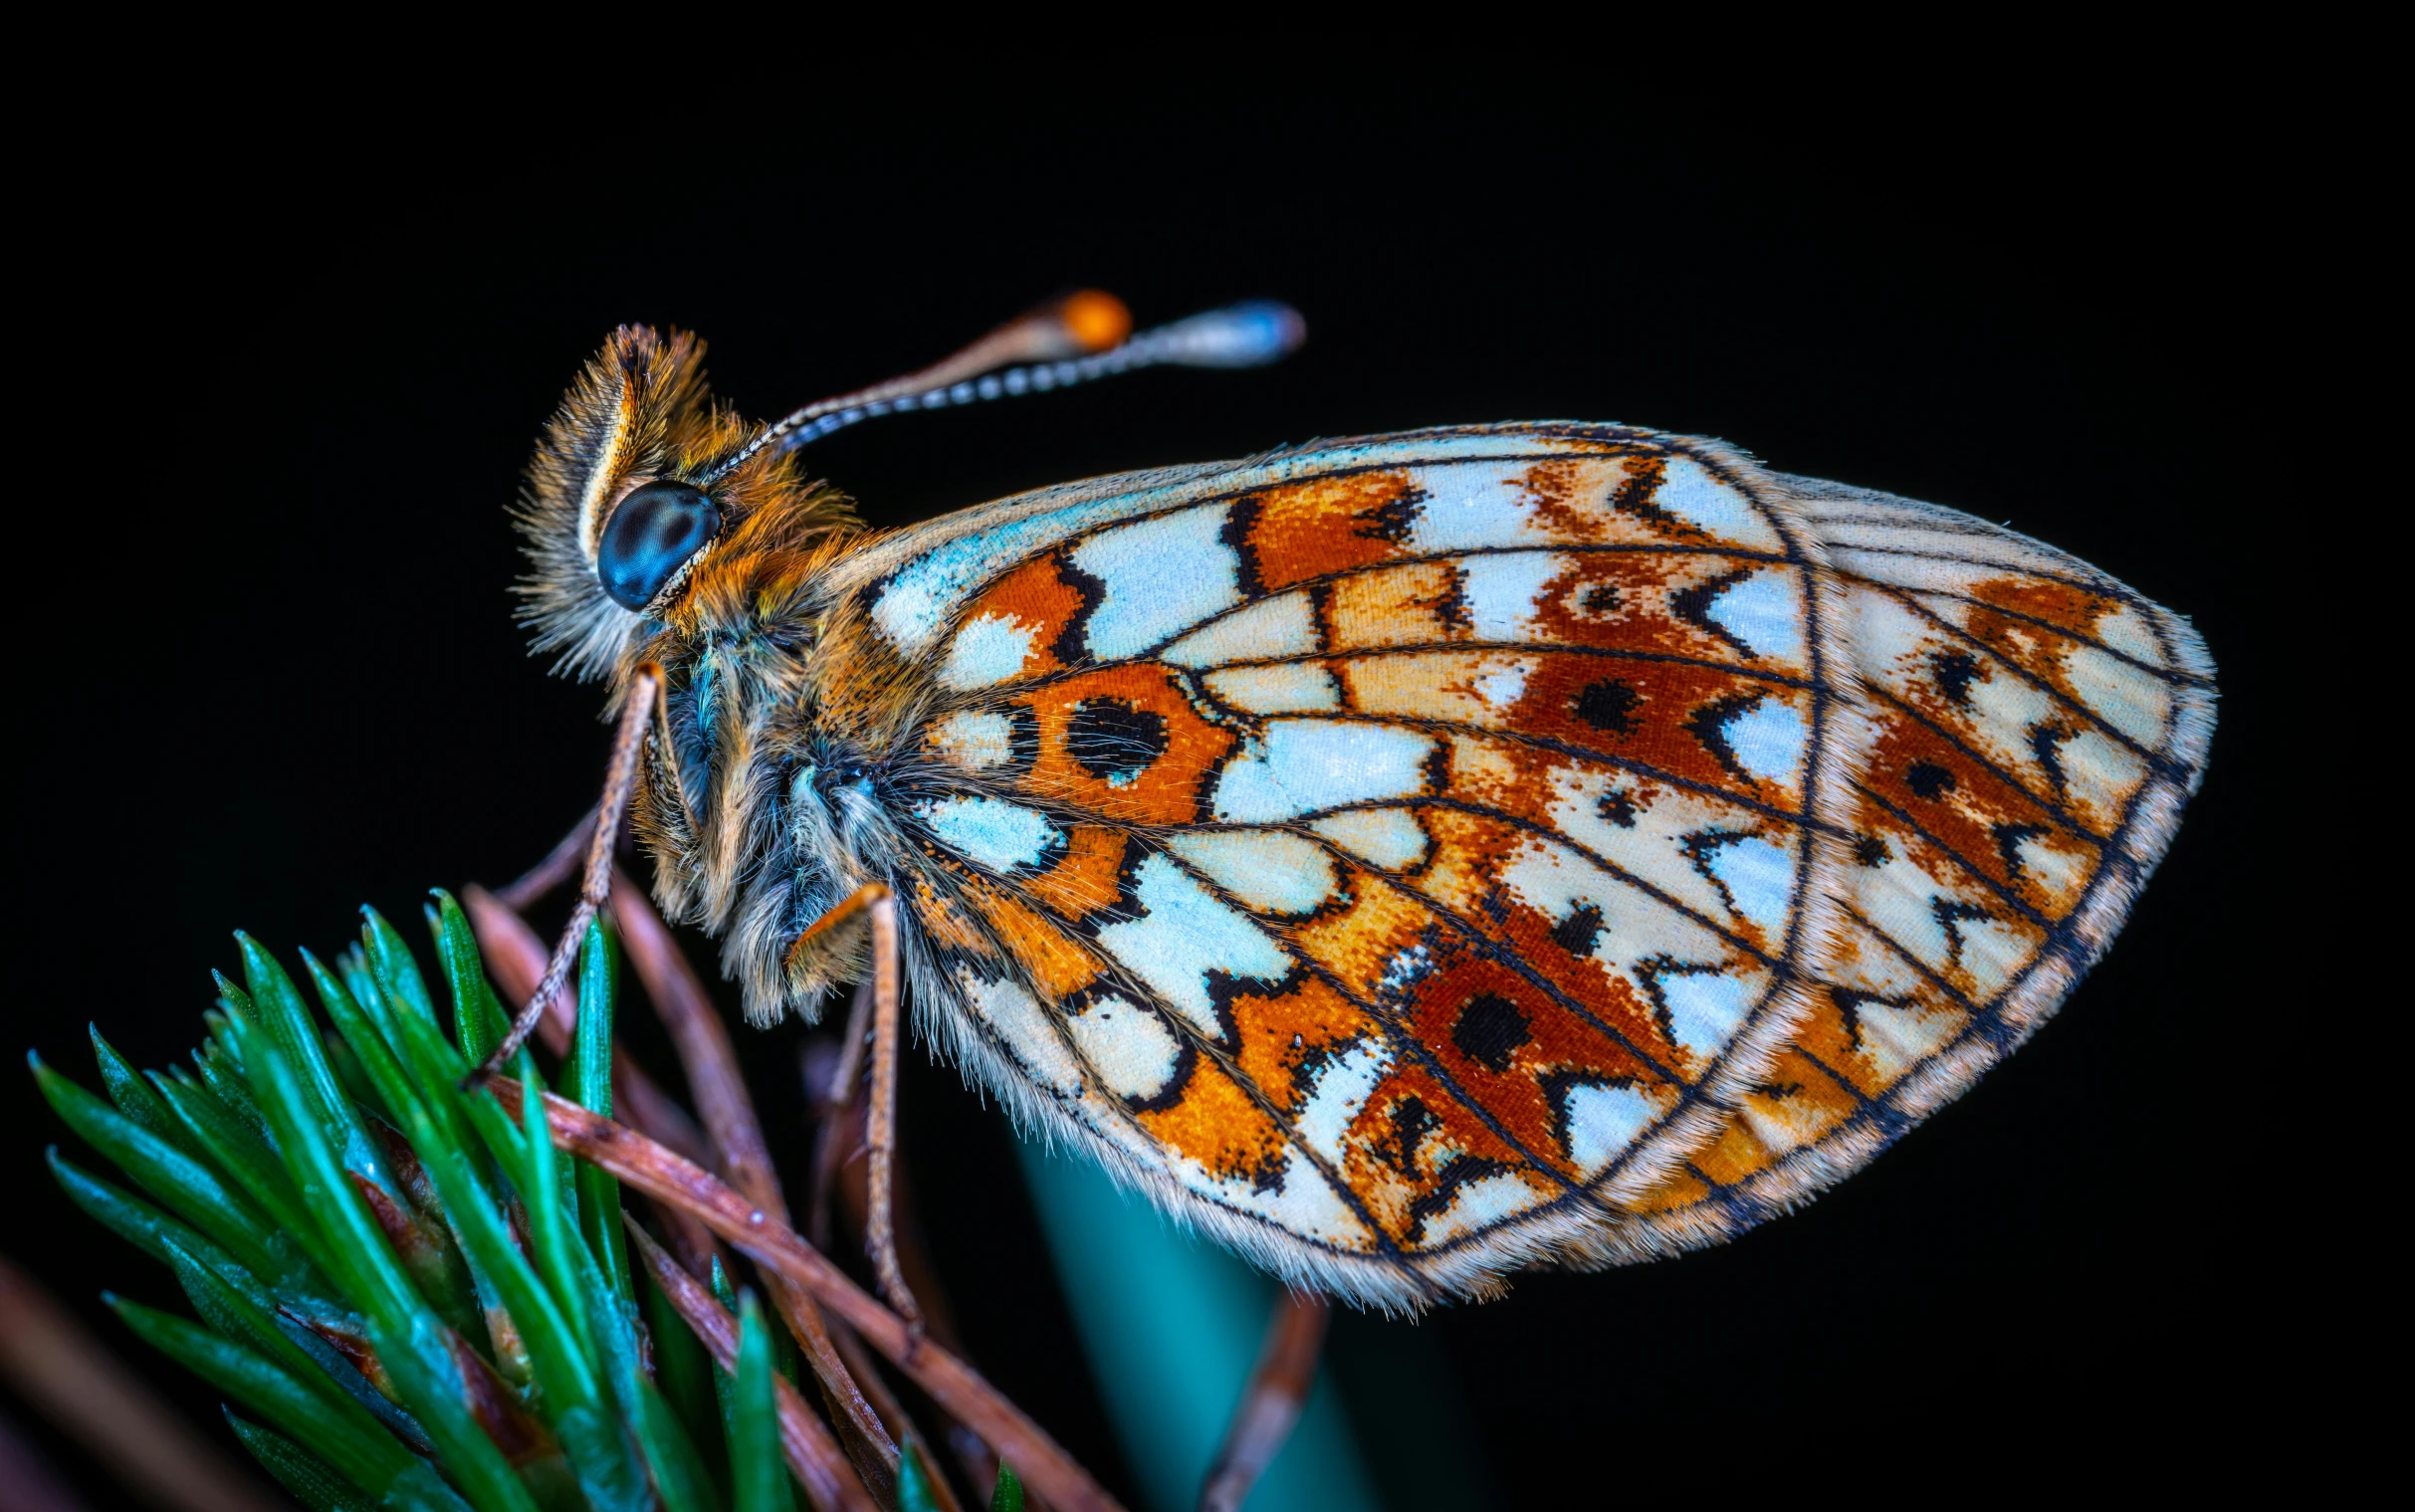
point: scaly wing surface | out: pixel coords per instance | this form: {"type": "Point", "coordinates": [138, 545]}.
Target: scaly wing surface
{"type": "Point", "coordinates": [1416, 858]}
{"type": "Point", "coordinates": [2037, 727]}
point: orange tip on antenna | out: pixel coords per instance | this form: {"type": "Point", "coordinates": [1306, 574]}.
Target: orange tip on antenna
{"type": "Point", "coordinates": [1095, 318]}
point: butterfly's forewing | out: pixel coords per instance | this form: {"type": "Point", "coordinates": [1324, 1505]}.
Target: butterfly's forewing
{"type": "Point", "coordinates": [1400, 855]}
{"type": "Point", "coordinates": [2038, 727]}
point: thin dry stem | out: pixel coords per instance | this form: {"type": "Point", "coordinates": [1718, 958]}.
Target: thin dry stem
{"type": "Point", "coordinates": [79, 1385]}
{"type": "Point", "coordinates": [1270, 1406]}
{"type": "Point", "coordinates": [860, 1362]}
{"type": "Point", "coordinates": [813, 1455]}
{"type": "Point", "coordinates": [658, 1173]}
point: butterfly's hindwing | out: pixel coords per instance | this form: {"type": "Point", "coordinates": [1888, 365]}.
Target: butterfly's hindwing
{"type": "Point", "coordinates": [2037, 727]}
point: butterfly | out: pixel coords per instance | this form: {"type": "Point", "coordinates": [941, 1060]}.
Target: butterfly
{"type": "Point", "coordinates": [1409, 859]}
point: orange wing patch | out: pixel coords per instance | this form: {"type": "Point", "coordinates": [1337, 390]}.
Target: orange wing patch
{"type": "Point", "coordinates": [1012, 631]}
{"type": "Point", "coordinates": [1328, 526]}
{"type": "Point", "coordinates": [1122, 742]}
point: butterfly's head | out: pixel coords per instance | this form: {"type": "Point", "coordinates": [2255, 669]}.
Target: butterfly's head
{"type": "Point", "coordinates": [648, 521]}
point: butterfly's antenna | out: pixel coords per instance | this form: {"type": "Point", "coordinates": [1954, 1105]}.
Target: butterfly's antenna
{"type": "Point", "coordinates": [1075, 340]}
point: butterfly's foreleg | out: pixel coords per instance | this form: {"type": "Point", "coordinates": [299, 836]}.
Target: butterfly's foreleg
{"type": "Point", "coordinates": [596, 884]}
{"type": "Point", "coordinates": [879, 906]}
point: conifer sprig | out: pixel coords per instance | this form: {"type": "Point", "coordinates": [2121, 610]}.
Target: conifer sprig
{"type": "Point", "coordinates": [408, 1296]}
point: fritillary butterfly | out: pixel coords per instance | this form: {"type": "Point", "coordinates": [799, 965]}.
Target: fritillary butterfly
{"type": "Point", "coordinates": [1409, 858]}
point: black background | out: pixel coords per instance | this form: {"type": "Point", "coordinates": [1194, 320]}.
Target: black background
{"type": "Point", "coordinates": [270, 670]}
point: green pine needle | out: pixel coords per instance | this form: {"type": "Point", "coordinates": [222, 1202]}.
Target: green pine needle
{"type": "Point", "coordinates": [332, 1202]}
{"type": "Point", "coordinates": [1008, 1494]}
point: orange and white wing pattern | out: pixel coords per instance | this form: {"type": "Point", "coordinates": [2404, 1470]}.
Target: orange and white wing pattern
{"type": "Point", "coordinates": [1418, 858]}
{"type": "Point", "coordinates": [2037, 727]}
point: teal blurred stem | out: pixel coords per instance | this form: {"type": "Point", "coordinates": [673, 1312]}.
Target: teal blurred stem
{"type": "Point", "coordinates": [1172, 1326]}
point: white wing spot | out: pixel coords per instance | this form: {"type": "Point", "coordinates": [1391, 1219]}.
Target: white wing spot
{"type": "Point", "coordinates": [998, 835]}
{"type": "Point", "coordinates": [1133, 1051]}
{"type": "Point", "coordinates": [1182, 935]}
{"type": "Point", "coordinates": [1390, 838]}
{"type": "Point", "coordinates": [990, 649]}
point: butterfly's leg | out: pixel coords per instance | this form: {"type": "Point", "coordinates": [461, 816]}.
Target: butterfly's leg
{"type": "Point", "coordinates": [596, 886]}
{"type": "Point", "coordinates": [880, 1228]}
{"type": "Point", "coordinates": [880, 1223]}
{"type": "Point", "coordinates": [834, 1143]}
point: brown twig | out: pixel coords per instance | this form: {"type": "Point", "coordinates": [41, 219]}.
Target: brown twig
{"type": "Point", "coordinates": [79, 1385]}
{"type": "Point", "coordinates": [1270, 1406]}
{"type": "Point", "coordinates": [859, 1361]}
{"type": "Point", "coordinates": [558, 866]}
{"type": "Point", "coordinates": [813, 1455]}
{"type": "Point", "coordinates": [660, 1173]}
{"type": "Point", "coordinates": [727, 1110]}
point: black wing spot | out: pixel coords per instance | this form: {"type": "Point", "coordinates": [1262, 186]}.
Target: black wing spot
{"type": "Point", "coordinates": [1608, 706]}
{"type": "Point", "coordinates": [1929, 781]}
{"type": "Point", "coordinates": [1411, 1120]}
{"type": "Point", "coordinates": [1600, 599]}
{"type": "Point", "coordinates": [1490, 1031]}
{"type": "Point", "coordinates": [1870, 850]}
{"type": "Point", "coordinates": [1616, 808]}
{"type": "Point", "coordinates": [1950, 917]}
{"type": "Point", "coordinates": [1850, 1001]}
{"type": "Point", "coordinates": [2046, 742]}
{"type": "Point", "coordinates": [1394, 518]}
{"type": "Point", "coordinates": [1576, 933]}
{"type": "Point", "coordinates": [1072, 644]}
{"type": "Point", "coordinates": [1956, 671]}
{"type": "Point", "coordinates": [1708, 725]}
{"type": "Point", "coordinates": [2008, 844]}
{"type": "Point", "coordinates": [1692, 605]}
{"type": "Point", "coordinates": [1451, 608]}
{"type": "Point", "coordinates": [1112, 740]}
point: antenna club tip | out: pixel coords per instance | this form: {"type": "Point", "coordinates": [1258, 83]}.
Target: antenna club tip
{"type": "Point", "coordinates": [1239, 335]}
{"type": "Point", "coordinates": [1279, 329]}
{"type": "Point", "coordinates": [1095, 318]}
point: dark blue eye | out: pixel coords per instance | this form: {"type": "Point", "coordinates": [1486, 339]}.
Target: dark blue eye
{"type": "Point", "coordinates": [651, 537]}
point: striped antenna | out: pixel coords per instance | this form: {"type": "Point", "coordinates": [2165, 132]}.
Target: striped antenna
{"type": "Point", "coordinates": [1071, 341]}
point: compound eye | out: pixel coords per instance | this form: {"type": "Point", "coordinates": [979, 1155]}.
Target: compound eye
{"type": "Point", "coordinates": [650, 537]}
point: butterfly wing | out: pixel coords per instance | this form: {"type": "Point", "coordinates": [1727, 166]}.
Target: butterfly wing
{"type": "Point", "coordinates": [1413, 858]}
{"type": "Point", "coordinates": [2037, 727]}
